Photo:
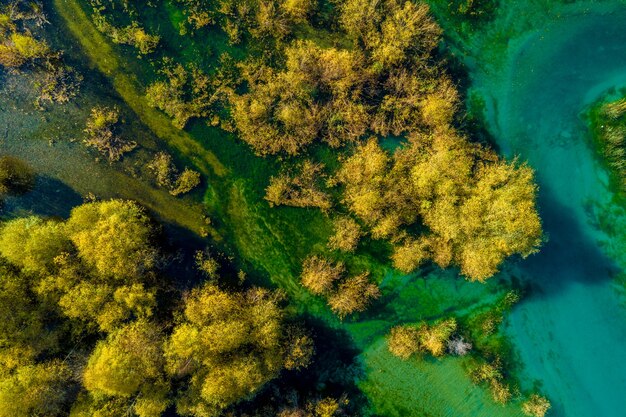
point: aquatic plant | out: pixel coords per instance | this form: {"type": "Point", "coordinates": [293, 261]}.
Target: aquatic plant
{"type": "Point", "coordinates": [54, 81]}
{"type": "Point", "coordinates": [184, 94]}
{"type": "Point", "coordinates": [536, 406]}
{"type": "Point", "coordinates": [166, 175]}
{"type": "Point", "coordinates": [132, 34]}
{"type": "Point", "coordinates": [101, 133]}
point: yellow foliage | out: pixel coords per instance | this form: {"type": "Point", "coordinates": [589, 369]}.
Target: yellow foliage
{"type": "Point", "coordinates": [475, 210]}
{"type": "Point", "coordinates": [403, 341]}
{"type": "Point", "coordinates": [229, 343]}
{"type": "Point", "coordinates": [127, 361]}
{"type": "Point", "coordinates": [536, 406]}
{"type": "Point", "coordinates": [353, 295]}
{"type": "Point", "coordinates": [319, 274]}
{"type": "Point", "coordinates": [302, 189]}
{"type": "Point", "coordinates": [32, 243]}
{"type": "Point", "coordinates": [346, 236]}
{"type": "Point", "coordinates": [114, 237]}
{"type": "Point", "coordinates": [433, 338]}
{"type": "Point", "coordinates": [35, 390]}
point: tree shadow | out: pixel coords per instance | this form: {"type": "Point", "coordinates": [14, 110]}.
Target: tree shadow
{"type": "Point", "coordinates": [48, 198]}
{"type": "Point", "coordinates": [333, 373]}
{"type": "Point", "coordinates": [569, 255]}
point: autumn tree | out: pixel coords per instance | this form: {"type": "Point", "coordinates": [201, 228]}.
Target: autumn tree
{"type": "Point", "coordinates": [476, 210]}
{"type": "Point", "coordinates": [353, 295]}
{"type": "Point", "coordinates": [403, 341]}
{"type": "Point", "coordinates": [30, 390]}
{"type": "Point", "coordinates": [32, 243]}
{"type": "Point", "coordinates": [114, 237]}
{"type": "Point", "coordinates": [96, 267]}
{"type": "Point", "coordinates": [129, 364]}
{"type": "Point", "coordinates": [225, 346]}
{"type": "Point", "coordinates": [320, 274]}
{"type": "Point", "coordinates": [26, 325]}
{"type": "Point", "coordinates": [347, 233]}
{"type": "Point", "coordinates": [302, 189]}
{"type": "Point", "coordinates": [434, 338]}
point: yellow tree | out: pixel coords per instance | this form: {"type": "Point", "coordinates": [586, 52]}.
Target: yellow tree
{"type": "Point", "coordinates": [129, 364]}
{"type": "Point", "coordinates": [225, 347]}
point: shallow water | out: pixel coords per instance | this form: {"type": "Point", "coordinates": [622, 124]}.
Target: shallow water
{"type": "Point", "coordinates": [570, 332]}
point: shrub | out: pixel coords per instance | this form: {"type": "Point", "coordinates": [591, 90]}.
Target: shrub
{"type": "Point", "coordinates": [403, 341]}
{"type": "Point", "coordinates": [101, 133]}
{"type": "Point", "coordinates": [536, 406]}
{"type": "Point", "coordinates": [353, 295]}
{"type": "Point", "coordinates": [319, 274]}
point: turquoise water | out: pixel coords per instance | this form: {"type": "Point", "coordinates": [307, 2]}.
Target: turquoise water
{"type": "Point", "coordinates": [570, 331]}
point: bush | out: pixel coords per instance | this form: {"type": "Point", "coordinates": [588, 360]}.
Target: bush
{"type": "Point", "coordinates": [101, 133]}
{"type": "Point", "coordinates": [536, 406]}
{"type": "Point", "coordinates": [403, 341]}
{"type": "Point", "coordinates": [319, 274]}
{"type": "Point", "coordinates": [353, 295]}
